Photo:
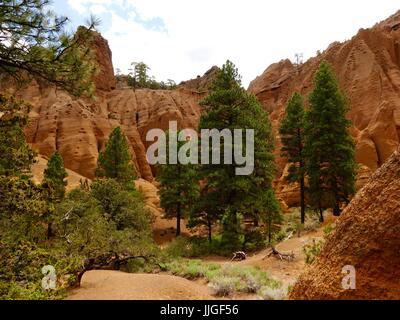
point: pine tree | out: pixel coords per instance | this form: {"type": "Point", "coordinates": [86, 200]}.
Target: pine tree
{"type": "Point", "coordinates": [16, 157]}
{"type": "Point", "coordinates": [34, 44]}
{"type": "Point", "coordinates": [178, 187]}
{"type": "Point", "coordinates": [116, 160]}
{"type": "Point", "coordinates": [54, 177]}
{"type": "Point", "coordinates": [271, 212]}
{"type": "Point", "coordinates": [229, 106]}
{"type": "Point", "coordinates": [292, 136]}
{"type": "Point", "coordinates": [138, 76]}
{"type": "Point", "coordinates": [53, 187]}
{"type": "Point", "coordinates": [329, 148]}
{"type": "Point", "coordinates": [204, 211]}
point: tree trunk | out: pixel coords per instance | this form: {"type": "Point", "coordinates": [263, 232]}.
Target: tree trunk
{"type": "Point", "coordinates": [49, 230]}
{"type": "Point", "coordinates": [336, 209]}
{"type": "Point", "coordinates": [209, 231]}
{"type": "Point", "coordinates": [302, 201]}
{"type": "Point", "coordinates": [269, 231]}
{"type": "Point", "coordinates": [178, 220]}
{"type": "Point", "coordinates": [321, 213]}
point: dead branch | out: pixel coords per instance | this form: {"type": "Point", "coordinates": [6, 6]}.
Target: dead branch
{"type": "Point", "coordinates": [282, 256]}
{"type": "Point", "coordinates": [239, 255]}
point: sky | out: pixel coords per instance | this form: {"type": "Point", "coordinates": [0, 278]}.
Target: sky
{"type": "Point", "coordinates": [180, 39]}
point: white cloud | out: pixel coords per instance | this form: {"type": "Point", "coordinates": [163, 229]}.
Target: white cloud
{"type": "Point", "coordinates": [97, 9]}
{"type": "Point", "coordinates": [77, 5]}
{"type": "Point", "coordinates": [251, 33]}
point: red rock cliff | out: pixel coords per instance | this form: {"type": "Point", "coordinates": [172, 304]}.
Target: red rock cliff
{"type": "Point", "coordinates": [368, 69]}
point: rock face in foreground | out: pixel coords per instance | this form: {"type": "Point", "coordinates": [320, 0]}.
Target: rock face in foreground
{"type": "Point", "coordinates": [368, 69]}
{"type": "Point", "coordinates": [367, 236]}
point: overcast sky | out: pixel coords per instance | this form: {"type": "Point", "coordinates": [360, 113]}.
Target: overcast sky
{"type": "Point", "coordinates": [180, 39]}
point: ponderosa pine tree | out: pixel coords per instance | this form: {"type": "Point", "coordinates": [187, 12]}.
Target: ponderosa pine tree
{"type": "Point", "coordinates": [204, 212]}
{"type": "Point", "coordinates": [329, 148]}
{"type": "Point", "coordinates": [16, 157]}
{"type": "Point", "coordinates": [53, 186]}
{"type": "Point", "coordinates": [229, 106]}
{"type": "Point", "coordinates": [271, 213]}
{"type": "Point", "coordinates": [54, 177]}
{"type": "Point", "coordinates": [116, 160]}
{"type": "Point", "coordinates": [292, 137]}
{"type": "Point", "coordinates": [179, 187]}
{"type": "Point", "coordinates": [34, 44]}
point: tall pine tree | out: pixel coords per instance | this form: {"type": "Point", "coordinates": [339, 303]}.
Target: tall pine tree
{"type": "Point", "coordinates": [54, 177]}
{"type": "Point", "coordinates": [329, 148]}
{"type": "Point", "coordinates": [116, 160]}
{"type": "Point", "coordinates": [53, 186]}
{"type": "Point", "coordinates": [292, 136]}
{"type": "Point", "coordinates": [179, 187]}
{"type": "Point", "coordinates": [16, 157]}
{"type": "Point", "coordinates": [229, 106]}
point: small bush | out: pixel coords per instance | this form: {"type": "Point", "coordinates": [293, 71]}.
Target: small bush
{"type": "Point", "coordinates": [141, 266]}
{"type": "Point", "coordinates": [280, 236]}
{"type": "Point", "coordinates": [328, 229]}
{"type": "Point", "coordinates": [267, 293]}
{"type": "Point", "coordinates": [192, 269]}
{"type": "Point", "coordinates": [245, 279]}
{"type": "Point", "coordinates": [198, 247]}
{"type": "Point", "coordinates": [223, 286]}
{"type": "Point", "coordinates": [252, 285]}
{"type": "Point", "coordinates": [180, 247]}
{"type": "Point", "coordinates": [312, 250]}
{"type": "Point", "coordinates": [254, 240]}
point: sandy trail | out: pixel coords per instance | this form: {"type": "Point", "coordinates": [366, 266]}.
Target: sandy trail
{"type": "Point", "coordinates": [106, 284]}
{"type": "Point", "coordinates": [282, 270]}
{"type": "Point", "coordinates": [116, 285]}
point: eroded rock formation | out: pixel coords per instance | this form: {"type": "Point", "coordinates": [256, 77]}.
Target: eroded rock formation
{"type": "Point", "coordinates": [368, 69]}
{"type": "Point", "coordinates": [367, 236]}
{"type": "Point", "coordinates": [79, 128]}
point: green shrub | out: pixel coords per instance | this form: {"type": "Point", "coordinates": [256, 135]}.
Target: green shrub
{"type": "Point", "coordinates": [245, 279]}
{"type": "Point", "coordinates": [254, 239]}
{"type": "Point", "coordinates": [312, 250]}
{"type": "Point", "coordinates": [328, 229]}
{"type": "Point", "coordinates": [194, 247]}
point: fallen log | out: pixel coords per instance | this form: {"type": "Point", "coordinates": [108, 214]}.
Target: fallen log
{"type": "Point", "coordinates": [282, 256]}
{"type": "Point", "coordinates": [239, 255]}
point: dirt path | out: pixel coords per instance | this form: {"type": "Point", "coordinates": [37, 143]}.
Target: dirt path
{"type": "Point", "coordinates": [102, 284]}
{"type": "Point", "coordinates": [116, 285]}
{"type": "Point", "coordinates": [282, 270]}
